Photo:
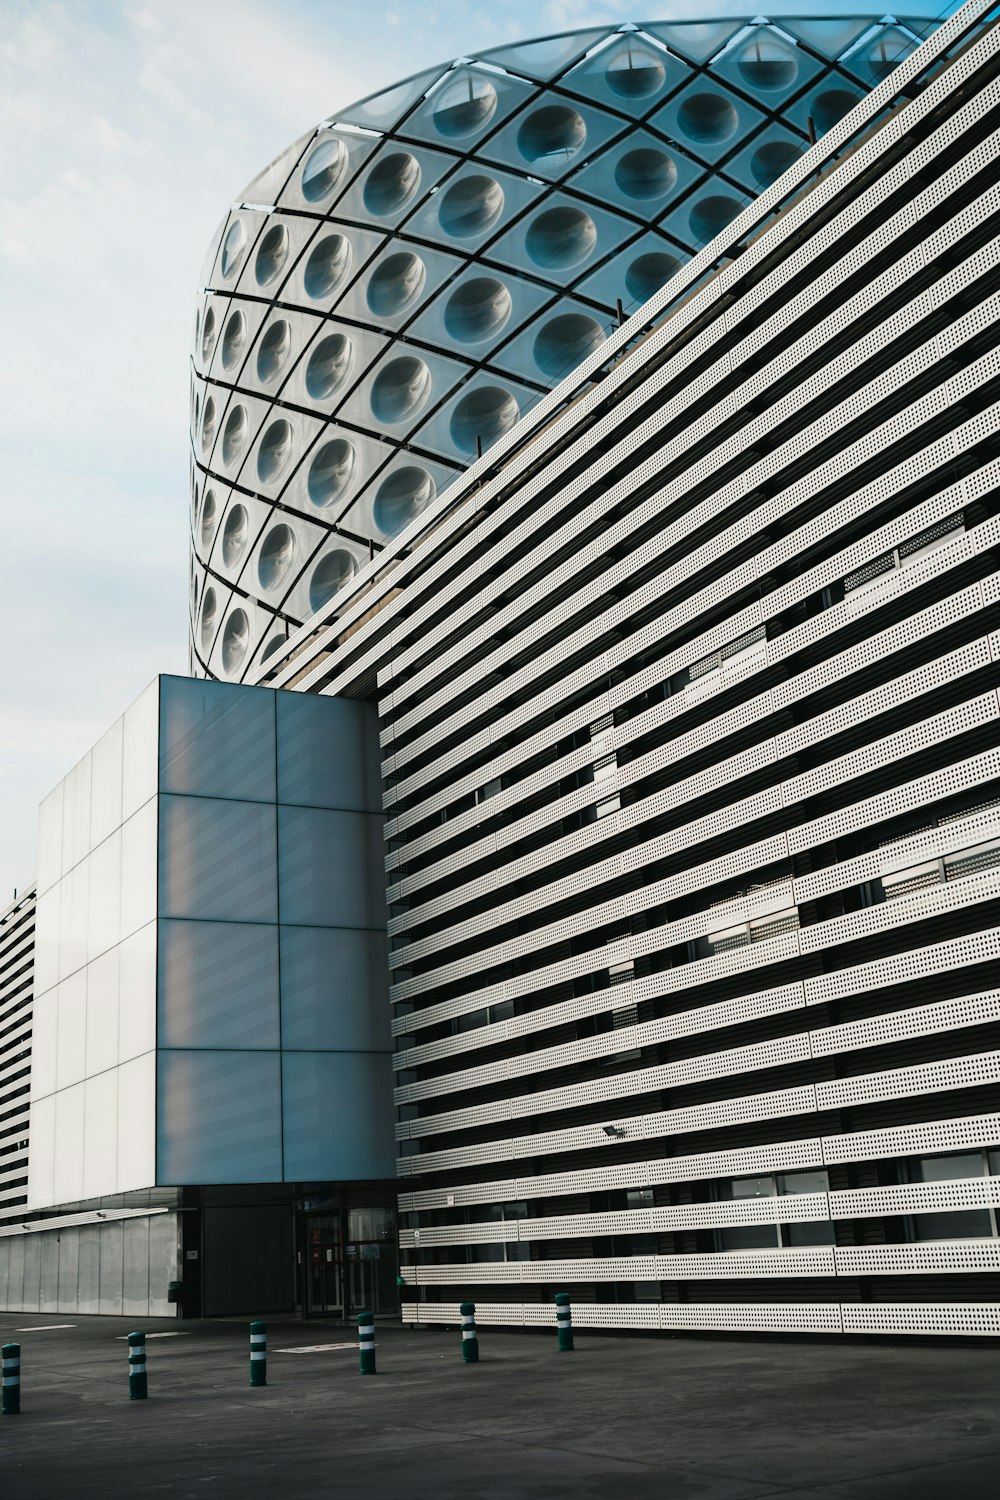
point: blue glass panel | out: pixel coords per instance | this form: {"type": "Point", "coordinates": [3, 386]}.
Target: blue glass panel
{"type": "Point", "coordinates": [217, 860]}
{"type": "Point", "coordinates": [218, 1117]}
{"type": "Point", "coordinates": [216, 739]}
{"type": "Point", "coordinates": [331, 868]}
{"type": "Point", "coordinates": [217, 985]}
{"type": "Point", "coordinates": [336, 1123]}
{"type": "Point", "coordinates": [328, 752]}
{"type": "Point", "coordinates": [334, 989]}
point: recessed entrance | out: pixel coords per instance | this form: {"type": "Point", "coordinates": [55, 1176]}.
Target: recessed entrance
{"type": "Point", "coordinates": [349, 1260]}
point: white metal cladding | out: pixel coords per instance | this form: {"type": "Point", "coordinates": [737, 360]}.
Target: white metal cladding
{"type": "Point", "coordinates": [862, 654]}
{"type": "Point", "coordinates": [790, 1207]}
{"type": "Point", "coordinates": [446, 515]}
{"type": "Point", "coordinates": [971, 657]}
{"type": "Point", "coordinates": [967, 659]}
{"type": "Point", "coordinates": [947, 612]}
{"type": "Point", "coordinates": [971, 1010]}
{"type": "Point", "coordinates": [793, 263]}
{"type": "Point", "coordinates": [974, 1132]}
{"type": "Point", "coordinates": [922, 411]}
{"type": "Point", "coordinates": [981, 1318]}
{"type": "Point", "coordinates": [777, 459]}
{"type": "Point", "coordinates": [694, 396]}
{"type": "Point", "coordinates": [604, 829]}
{"type": "Point", "coordinates": [814, 1261]}
{"type": "Point", "coordinates": [17, 951]}
{"type": "Point", "coordinates": [938, 1136]}
{"type": "Point", "coordinates": [916, 1198]}
{"type": "Point", "coordinates": [929, 1197]}
{"type": "Point", "coordinates": [757, 473]}
{"type": "Point", "coordinates": [787, 945]}
{"type": "Point", "coordinates": [892, 1083]}
{"type": "Point", "coordinates": [947, 1318]}
{"type": "Point", "coordinates": [924, 1020]}
{"type": "Point", "coordinates": [868, 722]}
{"type": "Point", "coordinates": [868, 497]}
{"type": "Point", "coordinates": [914, 963]}
{"type": "Point", "coordinates": [947, 1256]}
{"type": "Point", "coordinates": [934, 246]}
{"type": "Point", "coordinates": [774, 1105]}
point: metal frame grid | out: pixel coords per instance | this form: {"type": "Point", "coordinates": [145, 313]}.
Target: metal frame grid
{"type": "Point", "coordinates": [392, 293]}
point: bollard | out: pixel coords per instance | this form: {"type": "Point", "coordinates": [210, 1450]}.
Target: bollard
{"type": "Point", "coordinates": [470, 1339]}
{"type": "Point", "coordinates": [11, 1400]}
{"type": "Point", "coordinates": [366, 1342]}
{"type": "Point", "coordinates": [258, 1354]}
{"type": "Point", "coordinates": [137, 1388]}
{"type": "Point", "coordinates": [564, 1321]}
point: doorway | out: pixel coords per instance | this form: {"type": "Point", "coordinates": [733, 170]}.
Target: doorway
{"type": "Point", "coordinates": [350, 1262]}
{"type": "Point", "coordinates": [370, 1260]}
{"type": "Point", "coordinates": [325, 1267]}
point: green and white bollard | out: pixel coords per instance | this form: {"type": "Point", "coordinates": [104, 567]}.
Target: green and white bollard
{"type": "Point", "coordinates": [564, 1321]}
{"type": "Point", "coordinates": [137, 1388]}
{"type": "Point", "coordinates": [470, 1339]}
{"type": "Point", "coordinates": [11, 1399]}
{"type": "Point", "coordinates": [366, 1342]}
{"type": "Point", "coordinates": [258, 1354]}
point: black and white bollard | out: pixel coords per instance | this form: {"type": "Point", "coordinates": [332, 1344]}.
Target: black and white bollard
{"type": "Point", "coordinates": [564, 1322]}
{"type": "Point", "coordinates": [366, 1342]}
{"type": "Point", "coordinates": [470, 1339]}
{"type": "Point", "coordinates": [137, 1388]}
{"type": "Point", "coordinates": [258, 1353]}
{"type": "Point", "coordinates": [11, 1398]}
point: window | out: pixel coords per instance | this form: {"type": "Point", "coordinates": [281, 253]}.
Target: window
{"type": "Point", "coordinates": [769, 1236]}
{"type": "Point", "coordinates": [952, 1224]}
{"type": "Point", "coordinates": [944, 868]}
{"type": "Point", "coordinates": [906, 554]}
{"type": "Point", "coordinates": [757, 931]}
{"type": "Point", "coordinates": [500, 1249]}
{"type": "Point", "coordinates": [742, 646]}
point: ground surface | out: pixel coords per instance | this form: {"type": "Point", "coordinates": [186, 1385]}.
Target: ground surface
{"type": "Point", "coordinates": [681, 1419]}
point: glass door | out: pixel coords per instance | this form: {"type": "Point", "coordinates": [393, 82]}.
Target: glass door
{"type": "Point", "coordinates": [370, 1260]}
{"type": "Point", "coordinates": [325, 1268]}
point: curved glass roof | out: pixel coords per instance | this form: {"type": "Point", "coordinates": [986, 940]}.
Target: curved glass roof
{"type": "Point", "coordinates": [392, 292]}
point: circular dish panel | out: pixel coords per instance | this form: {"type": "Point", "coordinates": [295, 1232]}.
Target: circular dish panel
{"type": "Point", "coordinates": [330, 472]}
{"type": "Point", "coordinates": [271, 255]}
{"type": "Point", "coordinates": [453, 247]}
{"type": "Point", "coordinates": [330, 574]}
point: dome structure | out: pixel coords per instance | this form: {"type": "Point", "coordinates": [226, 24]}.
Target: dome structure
{"type": "Point", "coordinates": [399, 286]}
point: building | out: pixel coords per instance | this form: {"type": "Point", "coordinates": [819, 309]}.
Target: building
{"type": "Point", "coordinates": [687, 697]}
{"type": "Point", "coordinates": [210, 1078]}
{"type": "Point", "coordinates": [17, 962]}
{"type": "Point", "coordinates": [688, 694]}
{"type": "Point", "coordinates": [397, 288]}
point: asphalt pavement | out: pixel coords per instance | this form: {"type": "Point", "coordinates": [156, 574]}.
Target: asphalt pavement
{"type": "Point", "coordinates": [677, 1418]}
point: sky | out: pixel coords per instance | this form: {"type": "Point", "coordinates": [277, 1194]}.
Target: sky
{"type": "Point", "coordinates": [127, 127]}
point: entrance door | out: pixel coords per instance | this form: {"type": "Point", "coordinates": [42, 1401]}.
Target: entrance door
{"type": "Point", "coordinates": [325, 1271]}
{"type": "Point", "coordinates": [370, 1260]}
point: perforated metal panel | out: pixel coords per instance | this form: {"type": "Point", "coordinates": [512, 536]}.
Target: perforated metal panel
{"type": "Point", "coordinates": [726, 480]}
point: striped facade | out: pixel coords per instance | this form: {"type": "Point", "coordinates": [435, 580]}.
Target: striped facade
{"type": "Point", "coordinates": [17, 965]}
{"type": "Point", "coordinates": [689, 694]}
